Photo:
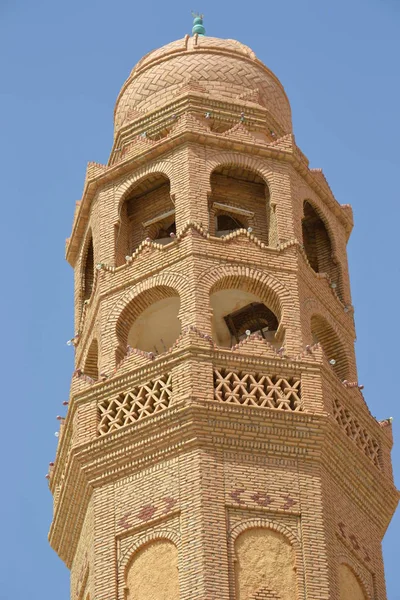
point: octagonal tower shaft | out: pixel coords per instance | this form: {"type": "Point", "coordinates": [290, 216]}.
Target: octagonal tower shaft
{"type": "Point", "coordinates": [217, 444]}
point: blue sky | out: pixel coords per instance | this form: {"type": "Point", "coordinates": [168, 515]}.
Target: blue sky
{"type": "Point", "coordinates": [62, 64]}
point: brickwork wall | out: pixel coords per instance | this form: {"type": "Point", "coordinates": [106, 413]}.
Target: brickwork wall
{"type": "Point", "coordinates": [82, 572]}
{"type": "Point", "coordinates": [201, 456]}
{"type": "Point", "coordinates": [141, 209]}
{"type": "Point", "coordinates": [205, 184]}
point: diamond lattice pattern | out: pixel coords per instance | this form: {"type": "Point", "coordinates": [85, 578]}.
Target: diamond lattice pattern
{"type": "Point", "coordinates": [255, 389]}
{"type": "Point", "coordinates": [140, 402]}
{"type": "Point", "coordinates": [356, 432]}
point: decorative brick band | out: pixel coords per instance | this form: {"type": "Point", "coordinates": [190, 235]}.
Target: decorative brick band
{"type": "Point", "coordinates": [255, 389]}
{"type": "Point", "coordinates": [129, 407]}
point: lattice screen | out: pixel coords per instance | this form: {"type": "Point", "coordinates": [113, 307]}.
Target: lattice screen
{"type": "Point", "coordinates": [140, 402]}
{"type": "Point", "coordinates": [255, 389]}
{"type": "Point", "coordinates": [356, 432]}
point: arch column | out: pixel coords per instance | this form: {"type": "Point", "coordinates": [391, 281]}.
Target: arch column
{"type": "Point", "coordinates": [198, 186]}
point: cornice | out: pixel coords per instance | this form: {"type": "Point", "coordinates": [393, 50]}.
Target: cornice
{"type": "Point", "coordinates": [194, 103]}
{"type": "Point", "coordinates": [188, 347]}
{"type": "Point", "coordinates": [250, 355]}
{"type": "Point", "coordinates": [202, 424]}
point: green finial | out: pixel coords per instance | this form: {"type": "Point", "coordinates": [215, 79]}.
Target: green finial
{"type": "Point", "coordinates": [198, 26]}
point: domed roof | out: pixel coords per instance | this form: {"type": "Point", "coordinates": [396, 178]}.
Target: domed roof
{"type": "Point", "coordinates": [223, 69]}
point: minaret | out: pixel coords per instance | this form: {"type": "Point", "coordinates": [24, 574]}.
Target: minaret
{"type": "Point", "coordinates": [217, 444]}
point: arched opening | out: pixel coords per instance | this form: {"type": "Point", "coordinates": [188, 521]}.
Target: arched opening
{"type": "Point", "coordinates": [318, 246]}
{"type": "Point", "coordinates": [264, 566]}
{"type": "Point", "coordinates": [149, 322]}
{"type": "Point", "coordinates": [240, 198]}
{"type": "Point", "coordinates": [323, 333]}
{"type": "Point", "coordinates": [226, 224]}
{"type": "Point", "coordinates": [146, 211]}
{"type": "Point", "coordinates": [88, 271]}
{"type": "Point", "coordinates": [350, 587]}
{"type": "Point", "coordinates": [152, 574]}
{"type": "Point", "coordinates": [238, 311]}
{"type": "Point", "coordinates": [91, 367]}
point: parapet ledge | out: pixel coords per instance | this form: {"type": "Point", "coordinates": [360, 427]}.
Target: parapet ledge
{"type": "Point", "coordinates": [348, 211]}
{"type": "Point", "coordinates": [251, 95]}
{"type": "Point", "coordinates": [132, 115]}
{"type": "Point", "coordinates": [241, 133]}
{"type": "Point", "coordinates": [72, 244]}
{"type": "Point", "coordinates": [137, 145]}
{"type": "Point", "coordinates": [320, 177]}
{"type": "Point", "coordinates": [188, 122]}
{"type": "Point", "coordinates": [193, 339]}
{"type": "Point", "coordinates": [94, 169]}
{"type": "Point", "coordinates": [191, 86]}
{"type": "Point", "coordinates": [312, 353]}
{"type": "Point", "coordinates": [189, 227]}
{"type": "Point", "coordinates": [286, 143]}
{"type": "Point", "coordinates": [387, 429]}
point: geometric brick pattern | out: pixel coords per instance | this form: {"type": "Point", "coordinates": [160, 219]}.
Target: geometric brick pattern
{"type": "Point", "coordinates": [356, 432]}
{"type": "Point", "coordinates": [255, 389]}
{"type": "Point", "coordinates": [140, 402]}
{"type": "Point", "coordinates": [149, 87]}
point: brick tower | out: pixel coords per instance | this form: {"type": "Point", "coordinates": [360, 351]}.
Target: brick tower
{"type": "Point", "coordinates": [217, 445]}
